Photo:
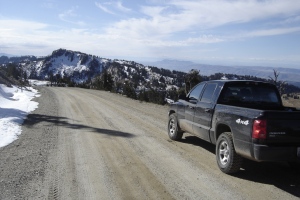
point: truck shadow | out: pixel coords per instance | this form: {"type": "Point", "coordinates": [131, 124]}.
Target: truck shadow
{"type": "Point", "coordinates": [199, 142]}
{"type": "Point", "coordinates": [278, 174]}
{"type": "Point", "coordinates": [33, 119]}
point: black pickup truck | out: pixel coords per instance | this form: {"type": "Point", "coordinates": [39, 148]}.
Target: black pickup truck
{"type": "Point", "coordinates": [244, 119]}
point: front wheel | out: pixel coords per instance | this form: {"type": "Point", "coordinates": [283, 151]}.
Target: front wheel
{"type": "Point", "coordinates": [174, 131]}
{"type": "Point", "coordinates": [228, 160]}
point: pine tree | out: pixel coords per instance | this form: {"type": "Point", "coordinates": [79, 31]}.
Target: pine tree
{"type": "Point", "coordinates": [191, 79]}
{"type": "Point", "coordinates": [129, 91]}
{"type": "Point", "coordinates": [107, 81]}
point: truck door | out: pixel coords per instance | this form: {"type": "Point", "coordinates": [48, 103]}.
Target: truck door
{"type": "Point", "coordinates": [204, 111]}
{"type": "Point", "coordinates": [190, 105]}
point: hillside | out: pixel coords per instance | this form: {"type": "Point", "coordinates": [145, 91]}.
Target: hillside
{"type": "Point", "coordinates": [4, 79]}
{"type": "Point", "coordinates": [138, 81]}
{"type": "Point", "coordinates": [83, 68]}
{"type": "Point", "coordinates": [80, 67]}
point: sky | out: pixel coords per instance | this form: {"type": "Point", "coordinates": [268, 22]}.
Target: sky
{"type": "Point", "coordinates": [223, 32]}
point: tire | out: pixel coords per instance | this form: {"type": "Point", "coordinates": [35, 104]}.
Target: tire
{"type": "Point", "coordinates": [174, 131]}
{"type": "Point", "coordinates": [228, 160]}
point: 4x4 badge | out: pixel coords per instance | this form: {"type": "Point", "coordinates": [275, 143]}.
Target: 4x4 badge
{"type": "Point", "coordinates": [239, 121]}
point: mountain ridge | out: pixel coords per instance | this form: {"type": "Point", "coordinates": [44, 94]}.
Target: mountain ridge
{"type": "Point", "coordinates": [82, 68]}
{"type": "Point", "coordinates": [286, 74]}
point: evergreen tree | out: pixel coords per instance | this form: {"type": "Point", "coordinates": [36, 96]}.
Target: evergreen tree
{"type": "Point", "coordinates": [107, 81]}
{"type": "Point", "coordinates": [58, 79]}
{"type": "Point", "coordinates": [13, 71]}
{"type": "Point", "coordinates": [129, 91]}
{"type": "Point", "coordinates": [143, 96]}
{"type": "Point", "coordinates": [191, 79]}
{"type": "Point", "coordinates": [51, 78]}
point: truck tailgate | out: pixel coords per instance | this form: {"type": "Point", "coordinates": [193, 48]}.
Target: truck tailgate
{"type": "Point", "coordinates": [283, 127]}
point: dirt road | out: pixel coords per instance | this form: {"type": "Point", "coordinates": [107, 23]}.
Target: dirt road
{"type": "Point", "coordinates": [87, 144]}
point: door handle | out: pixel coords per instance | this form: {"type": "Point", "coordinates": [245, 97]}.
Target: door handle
{"type": "Point", "coordinates": [207, 110]}
{"type": "Point", "coordinates": [190, 107]}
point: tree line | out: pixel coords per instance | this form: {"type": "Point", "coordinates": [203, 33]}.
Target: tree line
{"type": "Point", "coordinates": [154, 92]}
{"type": "Point", "coordinates": [156, 95]}
{"type": "Point", "coordinates": [16, 72]}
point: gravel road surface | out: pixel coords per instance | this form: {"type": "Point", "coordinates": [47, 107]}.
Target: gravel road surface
{"type": "Point", "coordinates": [88, 144]}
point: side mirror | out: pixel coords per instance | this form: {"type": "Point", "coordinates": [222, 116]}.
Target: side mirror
{"type": "Point", "coordinates": [182, 97]}
{"type": "Point", "coordinates": [193, 101]}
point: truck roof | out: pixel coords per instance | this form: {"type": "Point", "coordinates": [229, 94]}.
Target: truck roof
{"type": "Point", "coordinates": [226, 81]}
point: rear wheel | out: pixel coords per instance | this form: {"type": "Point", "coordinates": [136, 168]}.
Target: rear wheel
{"type": "Point", "coordinates": [228, 160]}
{"type": "Point", "coordinates": [174, 131]}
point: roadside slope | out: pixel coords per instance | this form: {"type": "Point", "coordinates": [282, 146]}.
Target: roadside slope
{"type": "Point", "coordinates": [24, 162]}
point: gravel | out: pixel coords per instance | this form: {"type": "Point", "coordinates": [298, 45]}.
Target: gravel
{"type": "Point", "coordinates": [89, 144]}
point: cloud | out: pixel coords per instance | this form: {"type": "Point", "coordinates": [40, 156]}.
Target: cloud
{"type": "Point", "coordinates": [117, 6]}
{"type": "Point", "coordinates": [17, 36]}
{"type": "Point", "coordinates": [40, 40]}
{"type": "Point", "coordinates": [170, 28]}
{"type": "Point", "coordinates": [20, 25]}
{"type": "Point", "coordinates": [170, 23]}
{"type": "Point", "coordinates": [48, 4]}
{"type": "Point", "coordinates": [67, 15]}
{"type": "Point", "coordinates": [271, 32]}
{"type": "Point", "coordinates": [212, 13]}
{"type": "Point", "coordinates": [290, 20]}
{"type": "Point", "coordinates": [122, 8]}
{"type": "Point", "coordinates": [103, 8]}
{"type": "Point", "coordinates": [203, 39]}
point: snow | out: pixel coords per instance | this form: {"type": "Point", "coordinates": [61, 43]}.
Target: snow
{"type": "Point", "coordinates": [169, 101]}
{"type": "Point", "coordinates": [38, 83]}
{"type": "Point", "coordinates": [170, 87]}
{"type": "Point", "coordinates": [15, 105]}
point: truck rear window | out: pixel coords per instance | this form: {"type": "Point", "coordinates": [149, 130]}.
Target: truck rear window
{"type": "Point", "coordinates": [250, 95]}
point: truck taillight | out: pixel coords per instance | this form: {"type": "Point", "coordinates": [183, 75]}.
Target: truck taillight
{"type": "Point", "coordinates": [259, 129]}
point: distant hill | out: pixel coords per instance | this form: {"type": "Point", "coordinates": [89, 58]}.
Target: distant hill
{"type": "Point", "coordinates": [5, 54]}
{"type": "Point", "coordinates": [77, 68]}
{"type": "Point", "coordinates": [291, 75]}
{"type": "Point", "coordinates": [82, 68]}
{"type": "Point", "coordinates": [5, 58]}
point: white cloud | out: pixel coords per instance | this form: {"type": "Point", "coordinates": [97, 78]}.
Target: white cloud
{"type": "Point", "coordinates": [117, 6]}
{"type": "Point", "coordinates": [122, 8]}
{"type": "Point", "coordinates": [103, 8]}
{"type": "Point", "coordinates": [6, 24]}
{"type": "Point", "coordinates": [271, 32]}
{"type": "Point", "coordinates": [17, 38]}
{"type": "Point", "coordinates": [70, 14]}
{"type": "Point", "coordinates": [203, 39]}
{"type": "Point", "coordinates": [178, 16]}
{"type": "Point", "coordinates": [168, 28]}
{"type": "Point", "coordinates": [211, 13]}
{"type": "Point", "coordinates": [291, 20]}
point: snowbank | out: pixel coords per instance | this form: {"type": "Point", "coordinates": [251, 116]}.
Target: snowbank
{"type": "Point", "coordinates": [15, 104]}
{"type": "Point", "coordinates": [38, 83]}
